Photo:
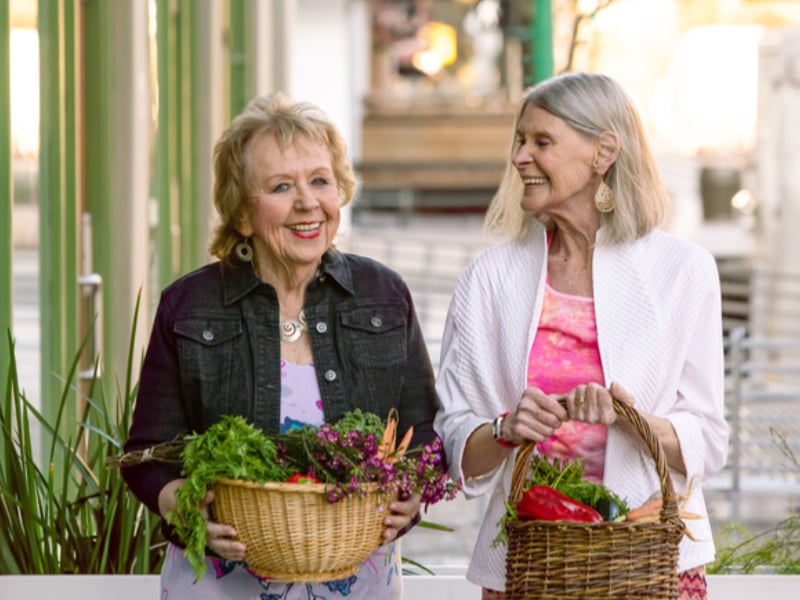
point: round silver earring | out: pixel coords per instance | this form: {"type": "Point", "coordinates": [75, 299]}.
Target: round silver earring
{"type": "Point", "coordinates": [244, 251]}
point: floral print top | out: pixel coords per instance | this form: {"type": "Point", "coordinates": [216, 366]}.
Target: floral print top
{"type": "Point", "coordinates": [565, 354]}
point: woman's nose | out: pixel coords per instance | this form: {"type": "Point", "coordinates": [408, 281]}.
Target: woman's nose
{"type": "Point", "coordinates": [522, 157]}
{"type": "Point", "coordinates": [306, 198]}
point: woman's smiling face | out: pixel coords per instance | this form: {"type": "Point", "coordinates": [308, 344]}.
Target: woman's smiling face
{"type": "Point", "coordinates": [294, 209]}
{"type": "Point", "coordinates": [554, 161]}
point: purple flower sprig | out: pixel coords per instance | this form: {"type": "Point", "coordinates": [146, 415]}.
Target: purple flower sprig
{"type": "Point", "coordinates": [350, 463]}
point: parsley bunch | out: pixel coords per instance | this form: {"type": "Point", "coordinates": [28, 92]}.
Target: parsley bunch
{"type": "Point", "coordinates": [567, 477]}
{"type": "Point", "coordinates": [231, 448]}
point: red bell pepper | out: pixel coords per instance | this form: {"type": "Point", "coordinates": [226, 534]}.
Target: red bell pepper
{"type": "Point", "coordinates": [547, 504]}
{"type": "Point", "coordinates": [301, 478]}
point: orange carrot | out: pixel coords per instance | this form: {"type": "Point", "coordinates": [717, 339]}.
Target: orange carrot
{"type": "Point", "coordinates": [651, 508]}
{"type": "Point", "coordinates": [386, 447]}
{"type": "Point", "coordinates": [401, 449]}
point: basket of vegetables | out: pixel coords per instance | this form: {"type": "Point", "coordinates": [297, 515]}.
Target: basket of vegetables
{"type": "Point", "coordinates": [308, 504]}
{"type": "Point", "coordinates": [569, 538]}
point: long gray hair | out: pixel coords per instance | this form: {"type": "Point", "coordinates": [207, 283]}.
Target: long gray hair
{"type": "Point", "coordinates": [591, 103]}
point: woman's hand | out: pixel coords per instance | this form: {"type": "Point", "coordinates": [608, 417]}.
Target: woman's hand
{"type": "Point", "coordinates": [537, 416]}
{"type": "Point", "coordinates": [403, 514]}
{"type": "Point", "coordinates": [593, 403]}
{"type": "Point", "coordinates": [219, 537]}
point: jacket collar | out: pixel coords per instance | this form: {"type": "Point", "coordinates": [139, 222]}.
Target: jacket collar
{"type": "Point", "coordinates": [239, 280]}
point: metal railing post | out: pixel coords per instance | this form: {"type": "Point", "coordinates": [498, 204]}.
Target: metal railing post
{"type": "Point", "coordinates": [736, 360]}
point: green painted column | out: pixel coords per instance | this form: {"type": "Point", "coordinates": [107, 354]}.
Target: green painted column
{"type": "Point", "coordinates": [58, 203]}
{"type": "Point", "coordinates": [71, 249]}
{"type": "Point", "coordinates": [6, 190]}
{"type": "Point", "coordinates": [193, 228]}
{"type": "Point", "coordinates": [184, 150]}
{"type": "Point", "coordinates": [165, 142]}
{"type": "Point", "coordinates": [98, 154]}
{"type": "Point", "coordinates": [182, 230]}
{"type": "Point", "coordinates": [542, 40]}
{"type": "Point", "coordinates": [52, 275]}
{"type": "Point", "coordinates": [239, 40]}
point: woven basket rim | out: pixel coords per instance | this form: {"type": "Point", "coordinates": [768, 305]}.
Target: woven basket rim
{"type": "Point", "coordinates": [284, 486]}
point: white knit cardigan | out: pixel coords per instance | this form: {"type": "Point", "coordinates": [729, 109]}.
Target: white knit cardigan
{"type": "Point", "coordinates": [659, 330]}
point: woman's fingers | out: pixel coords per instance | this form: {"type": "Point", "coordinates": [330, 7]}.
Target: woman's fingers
{"type": "Point", "coordinates": [591, 403]}
{"type": "Point", "coordinates": [401, 516]}
{"type": "Point", "coordinates": [221, 539]}
{"type": "Point", "coordinates": [537, 416]}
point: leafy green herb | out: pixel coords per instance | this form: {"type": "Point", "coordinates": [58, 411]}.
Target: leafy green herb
{"type": "Point", "coordinates": [568, 478]}
{"type": "Point", "coordinates": [231, 448]}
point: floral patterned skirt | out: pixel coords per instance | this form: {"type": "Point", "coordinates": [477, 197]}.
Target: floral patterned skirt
{"type": "Point", "coordinates": [380, 576]}
{"type": "Point", "coordinates": [692, 585]}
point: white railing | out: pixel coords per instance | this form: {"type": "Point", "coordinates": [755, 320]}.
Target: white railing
{"type": "Point", "coordinates": [763, 411]}
{"type": "Point", "coordinates": [439, 587]}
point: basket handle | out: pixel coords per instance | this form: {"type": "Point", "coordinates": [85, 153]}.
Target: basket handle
{"type": "Point", "coordinates": [669, 509]}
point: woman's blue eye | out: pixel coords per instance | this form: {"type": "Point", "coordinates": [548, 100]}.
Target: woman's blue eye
{"type": "Point", "coordinates": [320, 181]}
{"type": "Point", "coordinates": [281, 187]}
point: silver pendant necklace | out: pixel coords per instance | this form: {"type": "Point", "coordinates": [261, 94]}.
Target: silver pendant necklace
{"type": "Point", "coordinates": [292, 329]}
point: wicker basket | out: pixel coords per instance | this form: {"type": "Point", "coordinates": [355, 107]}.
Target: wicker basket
{"type": "Point", "coordinates": [567, 560]}
{"type": "Point", "coordinates": [293, 533]}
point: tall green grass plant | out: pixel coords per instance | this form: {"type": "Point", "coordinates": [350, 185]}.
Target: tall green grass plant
{"type": "Point", "coordinates": [61, 509]}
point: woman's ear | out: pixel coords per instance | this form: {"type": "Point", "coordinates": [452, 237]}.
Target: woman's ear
{"type": "Point", "coordinates": [243, 225]}
{"type": "Point", "coordinates": [606, 151]}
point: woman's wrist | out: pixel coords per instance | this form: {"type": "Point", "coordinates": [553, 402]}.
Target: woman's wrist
{"type": "Point", "coordinates": [497, 431]}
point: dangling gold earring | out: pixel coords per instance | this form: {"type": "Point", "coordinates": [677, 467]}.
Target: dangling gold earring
{"type": "Point", "coordinates": [604, 198]}
{"type": "Point", "coordinates": [244, 251]}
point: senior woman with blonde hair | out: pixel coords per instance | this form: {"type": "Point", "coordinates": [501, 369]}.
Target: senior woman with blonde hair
{"type": "Point", "coordinates": [283, 330]}
{"type": "Point", "coordinates": [587, 299]}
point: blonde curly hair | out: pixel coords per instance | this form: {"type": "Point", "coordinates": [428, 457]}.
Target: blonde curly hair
{"type": "Point", "coordinates": [278, 115]}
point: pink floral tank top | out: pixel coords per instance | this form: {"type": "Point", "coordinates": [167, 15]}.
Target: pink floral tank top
{"type": "Point", "coordinates": [564, 354]}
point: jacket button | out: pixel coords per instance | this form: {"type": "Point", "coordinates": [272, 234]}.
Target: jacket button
{"type": "Point", "coordinates": [208, 335]}
{"type": "Point", "coordinates": [330, 375]}
{"type": "Point", "coordinates": [322, 327]}
{"type": "Point", "coordinates": [376, 322]}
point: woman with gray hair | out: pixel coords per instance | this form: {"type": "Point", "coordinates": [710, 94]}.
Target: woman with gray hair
{"type": "Point", "coordinates": [284, 330]}
{"type": "Point", "coordinates": [587, 299]}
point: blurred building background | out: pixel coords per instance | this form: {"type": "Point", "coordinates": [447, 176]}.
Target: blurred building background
{"type": "Point", "coordinates": [109, 110]}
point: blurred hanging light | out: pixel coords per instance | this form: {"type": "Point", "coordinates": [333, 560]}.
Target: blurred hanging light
{"type": "Point", "coordinates": [439, 43]}
{"type": "Point", "coordinates": [744, 201]}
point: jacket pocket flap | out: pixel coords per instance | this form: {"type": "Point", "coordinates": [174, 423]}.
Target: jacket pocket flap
{"type": "Point", "coordinates": [208, 333]}
{"type": "Point", "coordinates": [374, 320]}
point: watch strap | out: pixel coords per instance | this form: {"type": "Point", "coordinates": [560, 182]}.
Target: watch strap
{"type": "Point", "coordinates": [497, 432]}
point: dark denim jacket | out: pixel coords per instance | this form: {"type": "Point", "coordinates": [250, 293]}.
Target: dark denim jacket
{"type": "Point", "coordinates": [215, 350]}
